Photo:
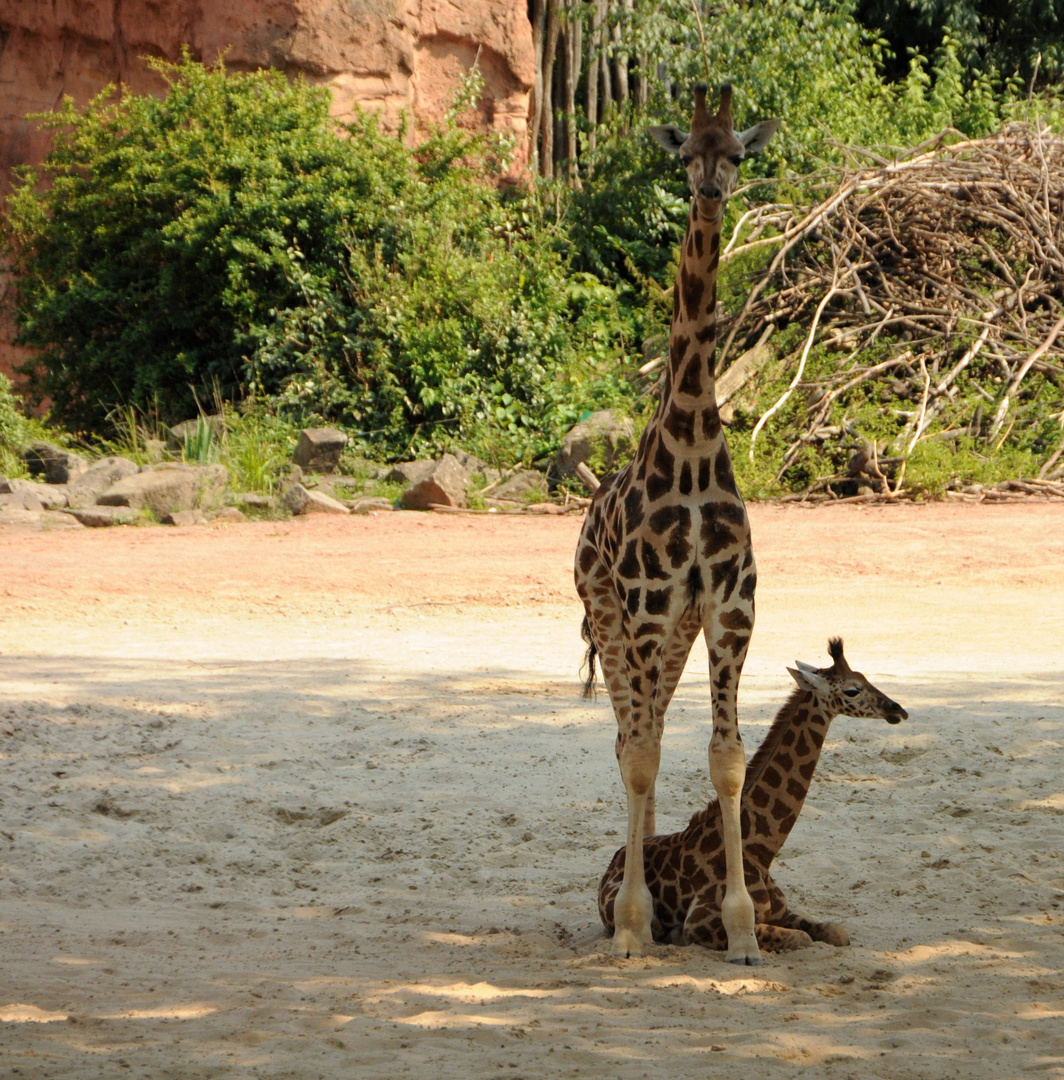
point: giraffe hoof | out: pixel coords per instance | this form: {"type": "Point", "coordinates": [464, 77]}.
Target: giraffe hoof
{"type": "Point", "coordinates": [627, 944]}
{"type": "Point", "coordinates": [749, 961]}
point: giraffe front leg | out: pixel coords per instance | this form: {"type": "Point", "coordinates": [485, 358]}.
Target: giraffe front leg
{"type": "Point", "coordinates": [633, 908]}
{"type": "Point", "coordinates": [728, 636]}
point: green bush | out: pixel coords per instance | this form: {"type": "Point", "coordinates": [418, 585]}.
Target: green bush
{"type": "Point", "coordinates": [17, 430]}
{"type": "Point", "coordinates": [156, 233]}
{"type": "Point", "coordinates": [230, 240]}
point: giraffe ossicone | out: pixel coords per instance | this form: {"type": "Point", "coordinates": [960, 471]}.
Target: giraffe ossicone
{"type": "Point", "coordinates": [685, 870]}
{"type": "Point", "coordinates": [665, 552]}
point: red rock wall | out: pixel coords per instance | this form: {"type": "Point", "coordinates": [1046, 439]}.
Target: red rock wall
{"type": "Point", "coordinates": [388, 55]}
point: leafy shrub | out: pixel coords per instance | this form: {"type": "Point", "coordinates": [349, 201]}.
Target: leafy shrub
{"type": "Point", "coordinates": [228, 239]}
{"type": "Point", "coordinates": [17, 430]}
{"type": "Point", "coordinates": [162, 234]}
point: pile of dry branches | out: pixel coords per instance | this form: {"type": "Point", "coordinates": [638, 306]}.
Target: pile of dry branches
{"type": "Point", "coordinates": [953, 254]}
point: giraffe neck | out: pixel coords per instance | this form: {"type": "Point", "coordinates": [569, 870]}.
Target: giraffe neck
{"type": "Point", "coordinates": [688, 409]}
{"type": "Point", "coordinates": [780, 772]}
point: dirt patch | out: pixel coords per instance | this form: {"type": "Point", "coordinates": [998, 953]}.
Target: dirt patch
{"type": "Point", "coordinates": [321, 798]}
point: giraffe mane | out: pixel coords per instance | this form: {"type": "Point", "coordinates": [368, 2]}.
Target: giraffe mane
{"type": "Point", "coordinates": [771, 741]}
{"type": "Point", "coordinates": [762, 756]}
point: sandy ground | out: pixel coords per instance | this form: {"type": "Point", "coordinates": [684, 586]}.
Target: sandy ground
{"type": "Point", "coordinates": [321, 799]}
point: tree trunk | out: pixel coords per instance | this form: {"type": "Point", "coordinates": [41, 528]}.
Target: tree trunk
{"type": "Point", "coordinates": [550, 53]}
{"type": "Point", "coordinates": [622, 11]}
{"type": "Point", "coordinates": [574, 54]}
{"type": "Point", "coordinates": [596, 47]}
{"type": "Point", "coordinates": [538, 17]}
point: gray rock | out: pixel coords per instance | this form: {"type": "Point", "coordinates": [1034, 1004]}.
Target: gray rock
{"type": "Point", "coordinates": [301, 501]}
{"type": "Point", "coordinates": [295, 499]}
{"type": "Point", "coordinates": [230, 515]}
{"type": "Point", "coordinates": [166, 488]}
{"type": "Point", "coordinates": [371, 504]}
{"type": "Point", "coordinates": [186, 517]}
{"type": "Point", "coordinates": [21, 500]}
{"type": "Point", "coordinates": [97, 478]}
{"type": "Point", "coordinates": [58, 466]}
{"type": "Point", "coordinates": [526, 485]}
{"type": "Point", "coordinates": [36, 519]}
{"type": "Point", "coordinates": [100, 517]}
{"type": "Point", "coordinates": [175, 437]}
{"type": "Point", "coordinates": [607, 428]}
{"type": "Point", "coordinates": [319, 449]}
{"type": "Point", "coordinates": [410, 472]}
{"type": "Point", "coordinates": [50, 496]}
{"type": "Point", "coordinates": [254, 501]}
{"type": "Point", "coordinates": [445, 485]}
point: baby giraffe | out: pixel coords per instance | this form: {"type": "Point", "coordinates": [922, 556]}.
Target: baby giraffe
{"type": "Point", "coordinates": [685, 870]}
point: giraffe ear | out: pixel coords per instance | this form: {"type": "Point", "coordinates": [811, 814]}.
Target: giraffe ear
{"type": "Point", "coordinates": [757, 137]}
{"type": "Point", "coordinates": [668, 136]}
{"type": "Point", "coordinates": [802, 666]}
{"type": "Point", "coordinates": [809, 680]}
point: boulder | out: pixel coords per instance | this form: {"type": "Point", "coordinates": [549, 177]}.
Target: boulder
{"type": "Point", "coordinates": [50, 496]}
{"type": "Point", "coordinates": [100, 517]}
{"type": "Point", "coordinates": [97, 478]}
{"type": "Point", "coordinates": [254, 501]}
{"type": "Point", "coordinates": [526, 485]}
{"type": "Point", "coordinates": [36, 519]}
{"type": "Point", "coordinates": [300, 501]}
{"type": "Point", "coordinates": [607, 429]}
{"type": "Point", "coordinates": [176, 436]}
{"type": "Point", "coordinates": [319, 449]}
{"type": "Point", "coordinates": [410, 472]}
{"type": "Point", "coordinates": [186, 517]}
{"type": "Point", "coordinates": [57, 465]}
{"type": "Point", "coordinates": [371, 504]}
{"type": "Point", "coordinates": [229, 515]}
{"type": "Point", "coordinates": [21, 500]}
{"type": "Point", "coordinates": [444, 485]}
{"type": "Point", "coordinates": [162, 489]}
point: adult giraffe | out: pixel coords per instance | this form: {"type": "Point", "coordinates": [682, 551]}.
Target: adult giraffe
{"type": "Point", "coordinates": [665, 549]}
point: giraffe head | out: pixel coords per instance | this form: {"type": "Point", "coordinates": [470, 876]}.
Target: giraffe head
{"type": "Point", "coordinates": [839, 690]}
{"type": "Point", "coordinates": [713, 151]}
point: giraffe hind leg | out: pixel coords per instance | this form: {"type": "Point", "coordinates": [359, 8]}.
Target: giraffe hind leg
{"type": "Point", "coordinates": [832, 933]}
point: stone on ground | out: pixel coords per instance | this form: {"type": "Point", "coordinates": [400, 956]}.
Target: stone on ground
{"type": "Point", "coordinates": [176, 436]}
{"type": "Point", "coordinates": [100, 517]}
{"type": "Point", "coordinates": [97, 478]}
{"type": "Point", "coordinates": [410, 472]}
{"type": "Point", "coordinates": [21, 500]}
{"type": "Point", "coordinates": [607, 429]}
{"type": "Point", "coordinates": [319, 449]}
{"type": "Point", "coordinates": [445, 485]}
{"type": "Point", "coordinates": [186, 517]}
{"type": "Point", "coordinates": [300, 501]}
{"type": "Point", "coordinates": [162, 489]}
{"type": "Point", "coordinates": [58, 466]}
{"type": "Point", "coordinates": [229, 515]}
{"type": "Point", "coordinates": [50, 496]}
{"type": "Point", "coordinates": [526, 485]}
{"type": "Point", "coordinates": [371, 504]}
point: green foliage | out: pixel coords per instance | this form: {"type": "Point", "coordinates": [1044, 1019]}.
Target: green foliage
{"type": "Point", "coordinates": [17, 430]}
{"type": "Point", "coordinates": [1011, 36]}
{"type": "Point", "coordinates": [162, 234]}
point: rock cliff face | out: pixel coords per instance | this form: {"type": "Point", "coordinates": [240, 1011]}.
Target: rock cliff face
{"type": "Point", "coordinates": [382, 54]}
{"type": "Point", "coordinates": [387, 55]}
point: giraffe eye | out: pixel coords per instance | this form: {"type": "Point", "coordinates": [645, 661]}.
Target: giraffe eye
{"type": "Point", "coordinates": [685, 160]}
{"type": "Point", "coordinates": [736, 160]}
{"type": "Point", "coordinates": [851, 691]}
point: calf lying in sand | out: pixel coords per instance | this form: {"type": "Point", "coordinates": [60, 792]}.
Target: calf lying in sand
{"type": "Point", "coordinates": [685, 870]}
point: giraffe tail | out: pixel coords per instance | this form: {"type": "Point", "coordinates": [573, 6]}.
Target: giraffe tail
{"type": "Point", "coordinates": [589, 659]}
